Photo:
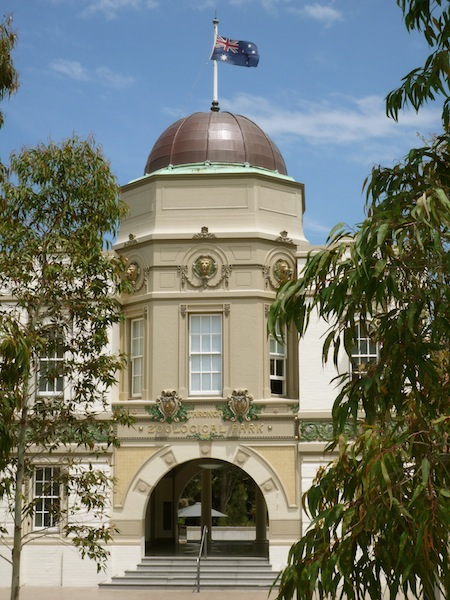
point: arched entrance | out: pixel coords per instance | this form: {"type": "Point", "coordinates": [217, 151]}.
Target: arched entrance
{"type": "Point", "coordinates": [211, 495]}
{"type": "Point", "coordinates": [141, 516]}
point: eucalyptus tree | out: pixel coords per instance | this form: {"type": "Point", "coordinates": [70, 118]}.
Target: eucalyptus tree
{"type": "Point", "coordinates": [9, 79]}
{"type": "Point", "coordinates": [58, 303]}
{"type": "Point", "coordinates": [380, 510]}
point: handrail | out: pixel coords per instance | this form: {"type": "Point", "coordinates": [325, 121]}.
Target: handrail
{"type": "Point", "coordinates": [203, 548]}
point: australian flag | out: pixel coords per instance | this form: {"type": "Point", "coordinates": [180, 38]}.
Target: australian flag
{"type": "Point", "coordinates": [235, 52]}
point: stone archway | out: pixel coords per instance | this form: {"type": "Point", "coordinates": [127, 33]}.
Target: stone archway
{"type": "Point", "coordinates": [282, 505]}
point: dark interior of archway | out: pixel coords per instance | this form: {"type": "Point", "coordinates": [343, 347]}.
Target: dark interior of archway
{"type": "Point", "coordinates": [233, 493]}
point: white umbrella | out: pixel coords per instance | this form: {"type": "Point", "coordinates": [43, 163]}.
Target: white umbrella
{"type": "Point", "coordinates": [195, 510]}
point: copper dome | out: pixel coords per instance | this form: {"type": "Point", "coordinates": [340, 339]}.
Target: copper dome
{"type": "Point", "coordinates": [215, 137]}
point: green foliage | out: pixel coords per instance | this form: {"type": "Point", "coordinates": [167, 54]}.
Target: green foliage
{"type": "Point", "coordinates": [432, 18]}
{"type": "Point", "coordinates": [233, 493]}
{"type": "Point", "coordinates": [236, 509]}
{"type": "Point", "coordinates": [9, 79]}
{"type": "Point", "coordinates": [58, 203]}
{"type": "Point", "coordinates": [380, 511]}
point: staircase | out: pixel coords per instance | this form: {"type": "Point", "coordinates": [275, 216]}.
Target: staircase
{"type": "Point", "coordinates": [180, 572]}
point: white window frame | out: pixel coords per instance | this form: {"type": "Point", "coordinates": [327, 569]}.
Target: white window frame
{"type": "Point", "coordinates": [277, 363]}
{"type": "Point", "coordinates": [136, 357]}
{"type": "Point", "coordinates": [46, 493]}
{"type": "Point", "coordinates": [364, 353]}
{"type": "Point", "coordinates": [48, 363]}
{"type": "Point", "coordinates": [205, 354]}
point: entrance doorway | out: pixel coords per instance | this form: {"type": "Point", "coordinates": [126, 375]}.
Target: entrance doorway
{"type": "Point", "coordinates": [206, 493]}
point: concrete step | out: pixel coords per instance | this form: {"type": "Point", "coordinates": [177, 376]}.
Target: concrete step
{"type": "Point", "coordinates": [181, 572]}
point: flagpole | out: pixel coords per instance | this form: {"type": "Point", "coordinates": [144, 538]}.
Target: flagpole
{"type": "Point", "coordinates": [215, 100]}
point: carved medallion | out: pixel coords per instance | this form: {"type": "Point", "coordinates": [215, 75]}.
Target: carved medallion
{"type": "Point", "coordinates": [133, 272]}
{"type": "Point", "coordinates": [205, 267]}
{"type": "Point", "coordinates": [282, 271]}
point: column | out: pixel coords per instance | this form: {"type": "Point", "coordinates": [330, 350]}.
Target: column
{"type": "Point", "coordinates": [206, 519]}
{"type": "Point", "coordinates": [261, 516]}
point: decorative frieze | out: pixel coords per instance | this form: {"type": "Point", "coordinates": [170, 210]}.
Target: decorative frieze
{"type": "Point", "coordinates": [320, 430]}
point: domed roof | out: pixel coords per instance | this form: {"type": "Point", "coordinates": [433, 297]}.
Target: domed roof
{"type": "Point", "coordinates": [215, 137]}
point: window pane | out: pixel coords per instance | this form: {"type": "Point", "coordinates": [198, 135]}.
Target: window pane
{"type": "Point", "coordinates": [138, 363]}
{"type": "Point", "coordinates": [276, 386]}
{"type": "Point", "coordinates": [206, 343]}
{"type": "Point", "coordinates": [216, 363]}
{"type": "Point", "coordinates": [216, 385]}
{"type": "Point", "coordinates": [216, 324]}
{"type": "Point", "coordinates": [205, 364]}
{"type": "Point", "coordinates": [195, 324]}
{"type": "Point", "coordinates": [206, 382]}
{"type": "Point", "coordinates": [195, 382]}
{"type": "Point", "coordinates": [196, 363]}
{"type": "Point", "coordinates": [216, 343]}
{"type": "Point", "coordinates": [195, 343]}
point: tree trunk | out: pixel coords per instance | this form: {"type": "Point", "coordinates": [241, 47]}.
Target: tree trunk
{"type": "Point", "coordinates": [18, 506]}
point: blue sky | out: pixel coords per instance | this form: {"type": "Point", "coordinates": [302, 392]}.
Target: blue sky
{"type": "Point", "coordinates": [124, 70]}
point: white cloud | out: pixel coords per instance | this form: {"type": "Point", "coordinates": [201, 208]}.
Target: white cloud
{"type": "Point", "coordinates": [201, 4]}
{"type": "Point", "coordinates": [320, 12]}
{"type": "Point", "coordinates": [111, 79]}
{"type": "Point", "coordinates": [69, 68]}
{"type": "Point", "coordinates": [340, 121]}
{"type": "Point", "coordinates": [74, 70]}
{"type": "Point", "coordinates": [110, 8]}
{"type": "Point", "coordinates": [269, 5]}
{"type": "Point", "coordinates": [325, 13]}
{"type": "Point", "coordinates": [313, 226]}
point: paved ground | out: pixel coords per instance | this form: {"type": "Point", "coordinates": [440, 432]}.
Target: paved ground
{"type": "Point", "coordinates": [93, 593]}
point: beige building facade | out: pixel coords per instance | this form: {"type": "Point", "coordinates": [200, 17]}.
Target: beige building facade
{"type": "Point", "coordinates": [214, 228]}
{"type": "Point", "coordinates": [208, 244]}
